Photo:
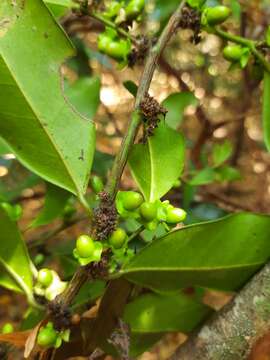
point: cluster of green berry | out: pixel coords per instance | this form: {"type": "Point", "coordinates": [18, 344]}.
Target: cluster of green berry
{"type": "Point", "coordinates": [130, 204]}
{"type": "Point", "coordinates": [49, 284]}
{"type": "Point", "coordinates": [49, 337]}
{"type": "Point", "coordinates": [109, 42]}
{"type": "Point", "coordinates": [119, 11]}
{"type": "Point", "coordinates": [236, 54]}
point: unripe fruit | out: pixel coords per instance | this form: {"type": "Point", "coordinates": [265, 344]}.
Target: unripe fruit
{"type": "Point", "coordinates": [148, 211]}
{"type": "Point", "coordinates": [7, 328]}
{"type": "Point", "coordinates": [47, 337]}
{"type": "Point", "coordinates": [217, 15]}
{"type": "Point", "coordinates": [131, 200]}
{"type": "Point", "coordinates": [103, 42]}
{"type": "Point", "coordinates": [175, 215]}
{"type": "Point", "coordinates": [39, 259]}
{"type": "Point", "coordinates": [118, 238]}
{"type": "Point", "coordinates": [118, 49]}
{"type": "Point", "coordinates": [45, 277]}
{"type": "Point", "coordinates": [113, 9]}
{"type": "Point", "coordinates": [96, 184]}
{"type": "Point", "coordinates": [85, 246]}
{"type": "Point", "coordinates": [233, 53]}
{"type": "Point", "coordinates": [134, 8]}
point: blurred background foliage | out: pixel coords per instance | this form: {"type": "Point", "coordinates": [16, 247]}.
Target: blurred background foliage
{"type": "Point", "coordinates": [217, 109]}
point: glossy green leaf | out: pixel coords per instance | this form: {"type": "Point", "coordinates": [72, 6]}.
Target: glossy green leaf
{"type": "Point", "coordinates": [266, 109]}
{"type": "Point", "coordinates": [221, 153]}
{"type": "Point", "coordinates": [55, 141]}
{"type": "Point", "coordinates": [203, 177]}
{"type": "Point", "coordinates": [162, 154]}
{"type": "Point", "coordinates": [4, 149]}
{"type": "Point", "coordinates": [84, 95]}
{"type": "Point", "coordinates": [55, 202]}
{"type": "Point", "coordinates": [153, 313]}
{"type": "Point", "coordinates": [15, 272]}
{"type": "Point", "coordinates": [139, 343]}
{"type": "Point", "coordinates": [60, 7]}
{"type": "Point", "coordinates": [227, 173]}
{"type": "Point", "coordinates": [221, 254]}
{"type": "Point", "coordinates": [176, 104]}
{"type": "Point", "coordinates": [267, 38]}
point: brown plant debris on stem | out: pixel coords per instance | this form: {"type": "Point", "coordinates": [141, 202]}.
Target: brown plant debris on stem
{"type": "Point", "coordinates": [191, 19]}
{"type": "Point", "coordinates": [151, 111]}
{"type": "Point", "coordinates": [231, 333]}
{"type": "Point", "coordinates": [105, 217]}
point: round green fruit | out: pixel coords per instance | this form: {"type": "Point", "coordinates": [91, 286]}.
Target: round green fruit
{"type": "Point", "coordinates": [134, 8]}
{"type": "Point", "coordinates": [45, 277]}
{"type": "Point", "coordinates": [217, 15]}
{"type": "Point", "coordinates": [175, 215]}
{"type": "Point", "coordinates": [103, 42]}
{"type": "Point", "coordinates": [46, 337]}
{"type": "Point", "coordinates": [85, 246]}
{"type": "Point", "coordinates": [112, 10]}
{"type": "Point", "coordinates": [7, 328]}
{"type": "Point", "coordinates": [131, 200]}
{"type": "Point", "coordinates": [148, 211]}
{"type": "Point", "coordinates": [233, 53]}
{"type": "Point", "coordinates": [118, 49]}
{"type": "Point", "coordinates": [118, 238]}
{"type": "Point", "coordinates": [39, 259]}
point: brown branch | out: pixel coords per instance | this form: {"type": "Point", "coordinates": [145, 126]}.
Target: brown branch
{"type": "Point", "coordinates": [231, 333]}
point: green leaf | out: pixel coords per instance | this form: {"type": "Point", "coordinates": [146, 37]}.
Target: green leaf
{"type": "Point", "coordinates": [221, 153]}
{"type": "Point", "coordinates": [267, 38]}
{"type": "Point", "coordinates": [156, 165]}
{"type": "Point", "coordinates": [139, 343]}
{"type": "Point", "coordinates": [176, 104]}
{"type": "Point", "coordinates": [84, 95]}
{"type": "Point", "coordinates": [131, 87]}
{"type": "Point", "coordinates": [15, 271]}
{"type": "Point", "coordinates": [4, 149]}
{"type": "Point", "coordinates": [60, 7]}
{"type": "Point", "coordinates": [55, 202]}
{"type": "Point", "coordinates": [266, 110]}
{"type": "Point", "coordinates": [31, 92]}
{"type": "Point", "coordinates": [221, 254]}
{"type": "Point", "coordinates": [227, 173]}
{"type": "Point", "coordinates": [153, 313]}
{"type": "Point", "coordinates": [203, 177]}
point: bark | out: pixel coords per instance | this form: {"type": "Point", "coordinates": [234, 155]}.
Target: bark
{"type": "Point", "coordinates": [231, 333]}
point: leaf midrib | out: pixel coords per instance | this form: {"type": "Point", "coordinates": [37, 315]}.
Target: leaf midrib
{"type": "Point", "coordinates": [187, 269]}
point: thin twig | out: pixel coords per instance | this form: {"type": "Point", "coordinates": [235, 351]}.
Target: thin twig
{"type": "Point", "coordinates": [145, 81]}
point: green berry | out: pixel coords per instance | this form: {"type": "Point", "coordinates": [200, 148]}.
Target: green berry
{"type": "Point", "coordinates": [96, 184]}
{"type": "Point", "coordinates": [45, 277]}
{"type": "Point", "coordinates": [131, 200]}
{"type": "Point", "coordinates": [112, 10]}
{"type": "Point", "coordinates": [175, 215]}
{"type": "Point", "coordinates": [233, 53]}
{"type": "Point", "coordinates": [148, 211]}
{"type": "Point", "coordinates": [7, 328]}
{"type": "Point", "coordinates": [217, 15]}
{"type": "Point", "coordinates": [85, 246]}
{"type": "Point", "coordinates": [47, 337]}
{"type": "Point", "coordinates": [118, 238]}
{"type": "Point", "coordinates": [39, 259]}
{"type": "Point", "coordinates": [134, 9]}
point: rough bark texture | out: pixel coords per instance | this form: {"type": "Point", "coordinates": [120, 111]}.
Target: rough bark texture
{"type": "Point", "coordinates": [231, 333]}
